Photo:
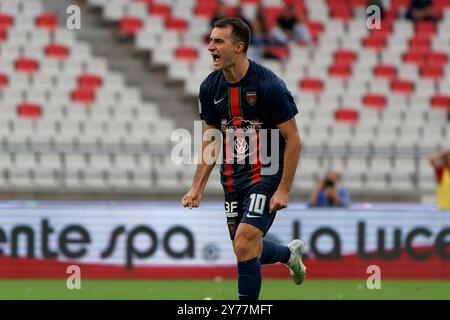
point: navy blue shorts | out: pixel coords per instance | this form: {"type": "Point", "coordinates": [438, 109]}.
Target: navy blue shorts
{"type": "Point", "coordinates": [251, 206]}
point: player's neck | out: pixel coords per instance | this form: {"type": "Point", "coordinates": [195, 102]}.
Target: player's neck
{"type": "Point", "coordinates": [237, 72]}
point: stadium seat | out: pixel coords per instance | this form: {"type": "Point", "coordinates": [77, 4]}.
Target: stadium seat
{"type": "Point", "coordinates": [385, 71]}
{"type": "Point", "coordinates": [6, 21]}
{"type": "Point", "coordinates": [402, 86]}
{"type": "Point", "coordinates": [84, 96]}
{"type": "Point", "coordinates": [374, 43]}
{"type": "Point", "coordinates": [162, 10]}
{"type": "Point", "coordinates": [373, 100]}
{"type": "Point", "coordinates": [29, 110]}
{"type": "Point", "coordinates": [26, 65]}
{"type": "Point", "coordinates": [89, 81]}
{"type": "Point", "coordinates": [47, 21]}
{"type": "Point", "coordinates": [130, 25]}
{"type": "Point", "coordinates": [311, 84]}
{"type": "Point", "coordinates": [176, 24]}
{"type": "Point", "coordinates": [3, 80]}
{"type": "Point", "coordinates": [341, 71]}
{"type": "Point", "coordinates": [432, 72]}
{"type": "Point", "coordinates": [57, 51]}
{"type": "Point", "coordinates": [414, 57]}
{"type": "Point", "coordinates": [186, 53]}
{"type": "Point", "coordinates": [346, 115]}
{"type": "Point", "coordinates": [441, 102]}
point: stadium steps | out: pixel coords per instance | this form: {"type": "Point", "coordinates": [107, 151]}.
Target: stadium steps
{"type": "Point", "coordinates": [122, 57]}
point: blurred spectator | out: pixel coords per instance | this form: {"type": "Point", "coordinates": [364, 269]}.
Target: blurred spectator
{"type": "Point", "coordinates": [419, 10]}
{"type": "Point", "coordinates": [259, 28]}
{"type": "Point", "coordinates": [290, 25]}
{"type": "Point", "coordinates": [259, 35]}
{"type": "Point", "coordinates": [219, 14]}
{"type": "Point", "coordinates": [378, 3]}
{"type": "Point", "coordinates": [328, 193]}
{"type": "Point", "coordinates": [441, 164]}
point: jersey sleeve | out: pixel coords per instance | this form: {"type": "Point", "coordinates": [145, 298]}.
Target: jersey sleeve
{"type": "Point", "coordinates": [205, 107]}
{"type": "Point", "coordinates": [282, 105]}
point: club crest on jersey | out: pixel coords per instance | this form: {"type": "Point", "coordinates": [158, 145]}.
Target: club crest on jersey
{"type": "Point", "coordinates": [251, 96]}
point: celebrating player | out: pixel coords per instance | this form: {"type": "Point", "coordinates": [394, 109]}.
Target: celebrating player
{"type": "Point", "coordinates": [242, 99]}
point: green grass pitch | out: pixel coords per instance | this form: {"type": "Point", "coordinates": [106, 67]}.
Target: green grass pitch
{"type": "Point", "coordinates": [221, 290]}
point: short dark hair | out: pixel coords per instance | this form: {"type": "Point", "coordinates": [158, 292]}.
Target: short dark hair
{"type": "Point", "coordinates": [241, 31]}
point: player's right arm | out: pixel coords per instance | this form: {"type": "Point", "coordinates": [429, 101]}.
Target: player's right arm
{"type": "Point", "coordinates": [207, 160]}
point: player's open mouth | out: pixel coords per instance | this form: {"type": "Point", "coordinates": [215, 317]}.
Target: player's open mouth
{"type": "Point", "coordinates": [216, 59]}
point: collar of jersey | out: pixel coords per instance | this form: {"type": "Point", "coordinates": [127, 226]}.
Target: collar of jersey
{"type": "Point", "coordinates": [239, 83]}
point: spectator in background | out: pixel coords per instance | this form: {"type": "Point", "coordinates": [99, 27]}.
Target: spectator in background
{"type": "Point", "coordinates": [290, 25]}
{"type": "Point", "coordinates": [219, 14]}
{"type": "Point", "coordinates": [259, 35]}
{"type": "Point", "coordinates": [420, 10]}
{"type": "Point", "coordinates": [441, 164]}
{"type": "Point", "coordinates": [328, 193]}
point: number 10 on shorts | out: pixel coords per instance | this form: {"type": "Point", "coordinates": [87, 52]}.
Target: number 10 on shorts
{"type": "Point", "coordinates": [257, 203]}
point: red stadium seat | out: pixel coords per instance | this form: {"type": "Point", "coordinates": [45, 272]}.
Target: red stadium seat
{"type": "Point", "coordinates": [440, 102]}
{"type": "Point", "coordinates": [342, 71]}
{"type": "Point", "coordinates": [402, 86]}
{"type": "Point", "coordinates": [413, 57]}
{"type": "Point", "coordinates": [432, 72]}
{"type": "Point", "coordinates": [6, 21]}
{"type": "Point", "coordinates": [357, 3]}
{"type": "Point", "coordinates": [89, 81]}
{"type": "Point", "coordinates": [375, 43]}
{"type": "Point", "coordinates": [205, 11]}
{"type": "Point", "coordinates": [384, 31]}
{"type": "Point", "coordinates": [279, 52]}
{"type": "Point", "coordinates": [385, 71]}
{"type": "Point", "coordinates": [426, 28]}
{"type": "Point", "coordinates": [230, 11]}
{"type": "Point", "coordinates": [162, 10]}
{"type": "Point", "coordinates": [83, 96]}
{"type": "Point", "coordinates": [345, 57]}
{"type": "Point", "coordinates": [58, 51]}
{"type": "Point", "coordinates": [26, 65]}
{"type": "Point", "coordinates": [29, 110]}
{"type": "Point", "coordinates": [436, 58]}
{"type": "Point", "coordinates": [176, 24]}
{"type": "Point", "coordinates": [186, 53]}
{"type": "Point", "coordinates": [3, 80]}
{"type": "Point", "coordinates": [2, 35]}
{"type": "Point", "coordinates": [272, 13]}
{"type": "Point", "coordinates": [130, 25]}
{"type": "Point", "coordinates": [418, 42]}
{"type": "Point", "coordinates": [341, 12]}
{"type": "Point", "coordinates": [373, 100]}
{"type": "Point", "coordinates": [315, 28]}
{"type": "Point", "coordinates": [346, 115]}
{"type": "Point", "coordinates": [311, 84]}
{"type": "Point", "coordinates": [47, 21]}
{"type": "Point", "coordinates": [400, 3]}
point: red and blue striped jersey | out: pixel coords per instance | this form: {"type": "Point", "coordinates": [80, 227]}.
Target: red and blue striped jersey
{"type": "Point", "coordinates": [247, 113]}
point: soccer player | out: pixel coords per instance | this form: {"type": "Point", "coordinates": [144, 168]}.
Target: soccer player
{"type": "Point", "coordinates": [242, 97]}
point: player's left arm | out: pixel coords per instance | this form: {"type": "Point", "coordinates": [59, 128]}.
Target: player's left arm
{"type": "Point", "coordinates": [289, 131]}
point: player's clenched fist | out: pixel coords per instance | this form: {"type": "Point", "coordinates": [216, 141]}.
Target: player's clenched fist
{"type": "Point", "coordinates": [278, 201]}
{"type": "Point", "coordinates": [191, 199]}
